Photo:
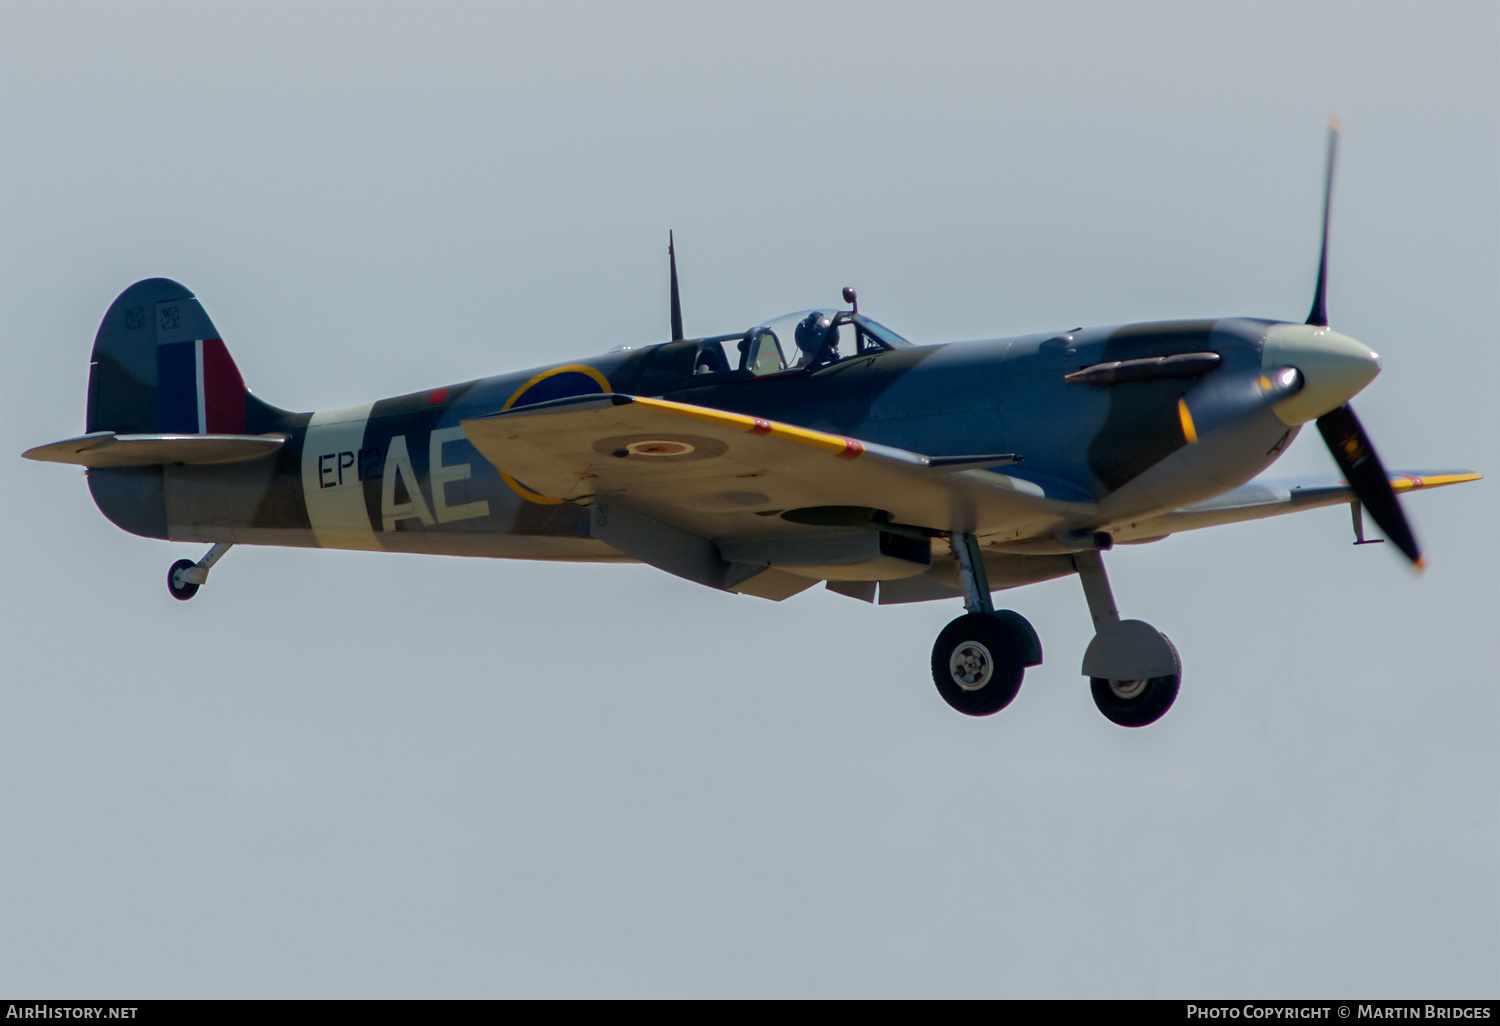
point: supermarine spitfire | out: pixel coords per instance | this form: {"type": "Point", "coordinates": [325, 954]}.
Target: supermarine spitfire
{"type": "Point", "coordinates": [817, 447]}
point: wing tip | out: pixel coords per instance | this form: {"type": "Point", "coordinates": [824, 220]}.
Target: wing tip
{"type": "Point", "coordinates": [1407, 482]}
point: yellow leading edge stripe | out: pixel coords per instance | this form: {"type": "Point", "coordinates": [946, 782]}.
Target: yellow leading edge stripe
{"type": "Point", "coordinates": [848, 448]}
{"type": "Point", "coordinates": [1407, 482]}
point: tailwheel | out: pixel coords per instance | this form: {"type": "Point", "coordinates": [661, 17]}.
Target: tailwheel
{"type": "Point", "coordinates": [186, 577]}
{"type": "Point", "coordinates": [181, 588]}
{"type": "Point", "coordinates": [1136, 703]}
{"type": "Point", "coordinates": [979, 660]}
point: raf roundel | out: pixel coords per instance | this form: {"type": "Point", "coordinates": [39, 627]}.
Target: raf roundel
{"type": "Point", "coordinates": [658, 448]}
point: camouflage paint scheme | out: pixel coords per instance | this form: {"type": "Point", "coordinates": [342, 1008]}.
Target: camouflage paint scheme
{"type": "Point", "coordinates": [819, 446]}
{"type": "Point", "coordinates": [1136, 457]}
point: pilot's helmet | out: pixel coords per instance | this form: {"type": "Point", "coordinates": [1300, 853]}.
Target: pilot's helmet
{"type": "Point", "coordinates": [811, 331]}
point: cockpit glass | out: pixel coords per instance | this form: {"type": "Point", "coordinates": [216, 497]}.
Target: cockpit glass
{"type": "Point", "coordinates": [815, 337]}
{"type": "Point", "coordinates": [798, 336]}
{"type": "Point", "coordinates": [881, 333]}
{"type": "Point", "coordinates": [763, 354]}
{"type": "Point", "coordinates": [794, 341]}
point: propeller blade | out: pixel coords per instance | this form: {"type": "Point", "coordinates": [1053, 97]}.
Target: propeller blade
{"type": "Point", "coordinates": [1319, 312]}
{"type": "Point", "coordinates": [676, 300]}
{"type": "Point", "coordinates": [1354, 454]}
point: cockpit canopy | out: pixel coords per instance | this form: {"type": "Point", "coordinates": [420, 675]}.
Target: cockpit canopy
{"type": "Point", "coordinates": [795, 343]}
{"type": "Point", "coordinates": [804, 340]}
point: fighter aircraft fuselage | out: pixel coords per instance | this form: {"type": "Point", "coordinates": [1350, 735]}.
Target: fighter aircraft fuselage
{"type": "Point", "coordinates": [398, 474]}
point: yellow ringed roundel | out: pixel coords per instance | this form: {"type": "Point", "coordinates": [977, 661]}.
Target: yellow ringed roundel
{"type": "Point", "coordinates": [557, 383]}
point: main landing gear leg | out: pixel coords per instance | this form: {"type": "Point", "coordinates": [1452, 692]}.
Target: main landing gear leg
{"type": "Point", "coordinates": [1133, 668]}
{"type": "Point", "coordinates": [980, 658]}
{"type": "Point", "coordinates": [185, 577]}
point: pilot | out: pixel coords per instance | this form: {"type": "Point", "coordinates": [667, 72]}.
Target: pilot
{"type": "Point", "coordinates": [812, 334]}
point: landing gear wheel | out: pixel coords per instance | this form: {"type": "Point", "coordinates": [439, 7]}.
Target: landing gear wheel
{"type": "Point", "coordinates": [1135, 703]}
{"type": "Point", "coordinates": [184, 591]}
{"type": "Point", "coordinates": [978, 663]}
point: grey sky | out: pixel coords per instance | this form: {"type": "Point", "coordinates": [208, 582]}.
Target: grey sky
{"type": "Point", "coordinates": [353, 774]}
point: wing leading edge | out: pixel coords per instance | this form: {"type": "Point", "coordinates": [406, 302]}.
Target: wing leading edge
{"type": "Point", "coordinates": [1272, 497]}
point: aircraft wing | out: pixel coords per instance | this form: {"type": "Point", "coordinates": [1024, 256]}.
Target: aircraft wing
{"type": "Point", "coordinates": [1271, 497]}
{"type": "Point", "coordinates": [718, 474]}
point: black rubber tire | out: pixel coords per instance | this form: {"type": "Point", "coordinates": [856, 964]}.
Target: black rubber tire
{"type": "Point", "coordinates": [1002, 651]}
{"type": "Point", "coordinates": [181, 592]}
{"type": "Point", "coordinates": [1145, 708]}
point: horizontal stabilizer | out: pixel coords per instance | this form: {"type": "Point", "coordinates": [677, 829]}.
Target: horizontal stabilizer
{"type": "Point", "coordinates": [107, 449]}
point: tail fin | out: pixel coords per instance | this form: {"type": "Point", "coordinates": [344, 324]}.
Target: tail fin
{"type": "Point", "coordinates": [159, 366]}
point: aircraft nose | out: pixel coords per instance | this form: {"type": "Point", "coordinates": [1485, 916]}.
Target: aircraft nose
{"type": "Point", "coordinates": [1334, 368]}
